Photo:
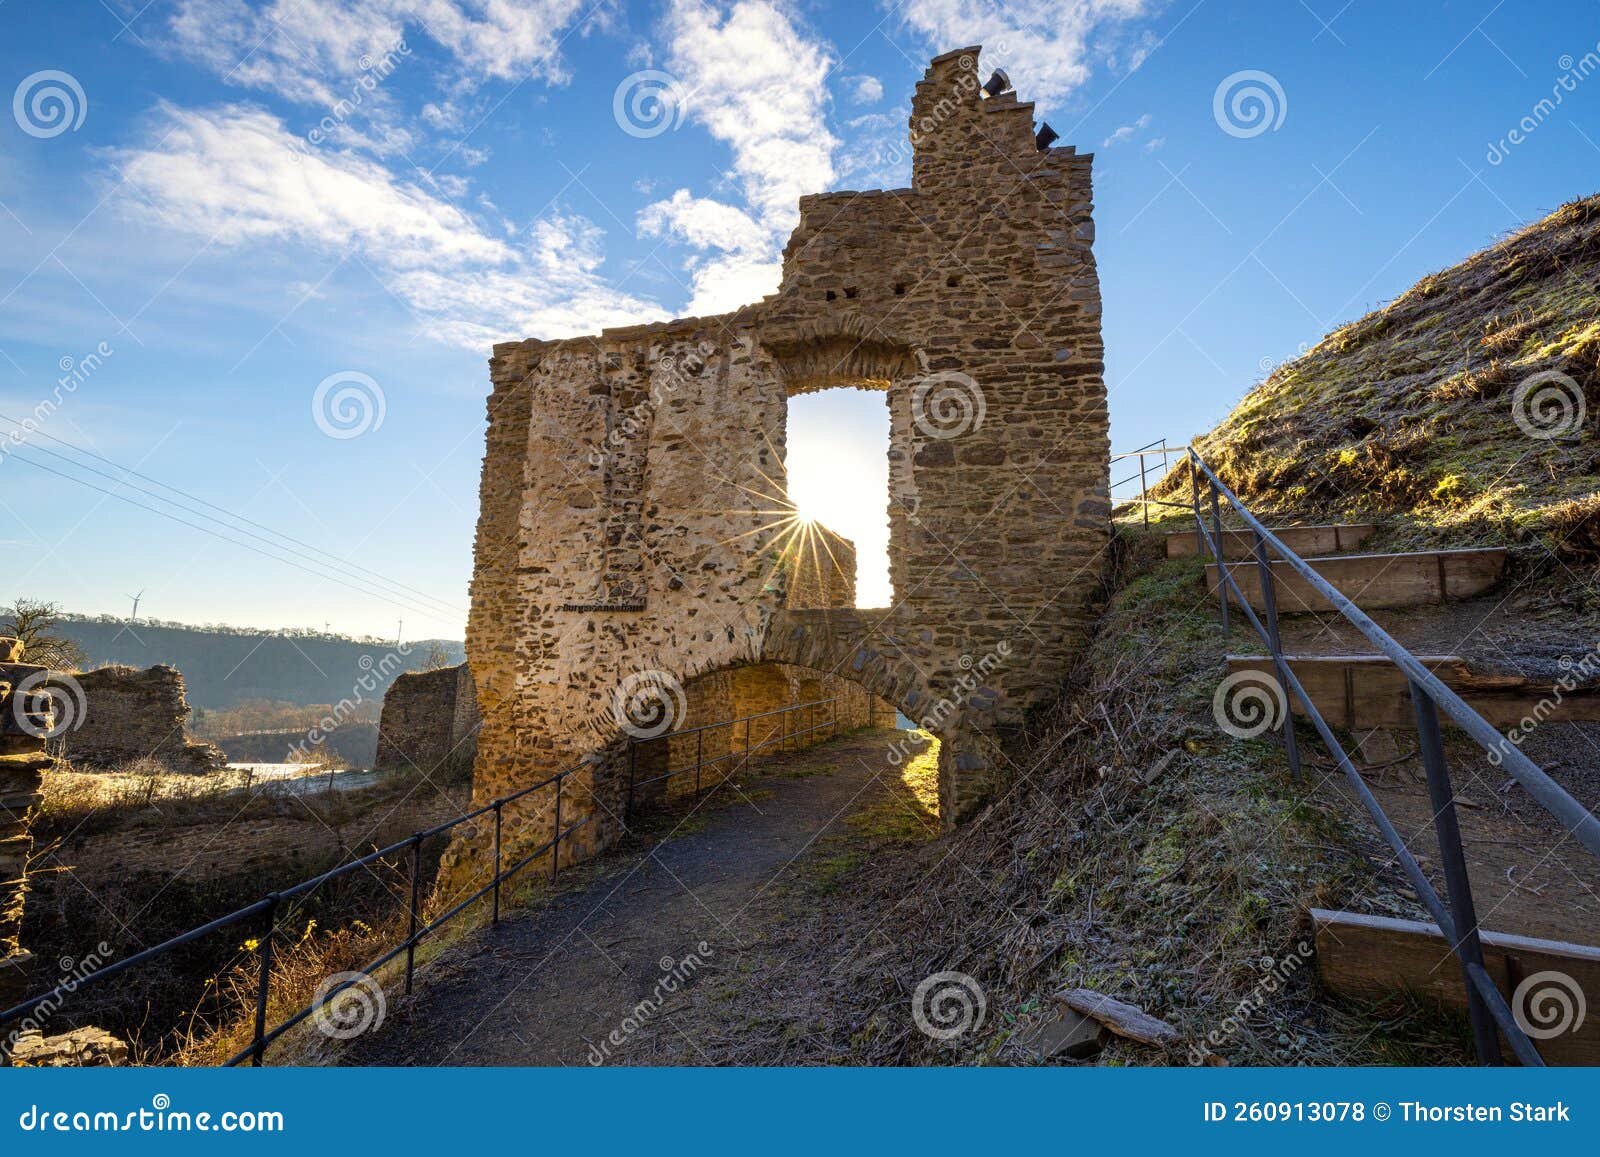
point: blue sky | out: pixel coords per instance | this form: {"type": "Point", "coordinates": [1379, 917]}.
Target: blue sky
{"type": "Point", "coordinates": [237, 213]}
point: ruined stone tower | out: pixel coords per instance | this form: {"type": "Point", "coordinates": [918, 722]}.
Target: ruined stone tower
{"type": "Point", "coordinates": [633, 487]}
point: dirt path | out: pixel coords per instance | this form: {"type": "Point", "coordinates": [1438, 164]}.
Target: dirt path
{"type": "Point", "coordinates": [552, 984]}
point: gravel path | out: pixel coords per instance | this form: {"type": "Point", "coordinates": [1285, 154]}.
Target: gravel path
{"type": "Point", "coordinates": [552, 984]}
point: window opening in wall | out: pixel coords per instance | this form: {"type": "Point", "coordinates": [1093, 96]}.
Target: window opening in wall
{"type": "Point", "coordinates": [838, 467]}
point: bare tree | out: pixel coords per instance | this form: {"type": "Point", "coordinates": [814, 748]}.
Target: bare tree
{"type": "Point", "coordinates": [436, 657]}
{"type": "Point", "coordinates": [33, 621]}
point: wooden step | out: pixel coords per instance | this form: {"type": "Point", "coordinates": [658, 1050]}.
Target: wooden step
{"type": "Point", "coordinates": [1374, 581]}
{"type": "Point", "coordinates": [1366, 691]}
{"type": "Point", "coordinates": [1303, 540]}
{"type": "Point", "coordinates": [1367, 958]}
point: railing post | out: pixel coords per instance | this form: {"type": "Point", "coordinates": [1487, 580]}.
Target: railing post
{"type": "Point", "coordinates": [1194, 496]}
{"type": "Point", "coordinates": [633, 763]}
{"type": "Point", "coordinates": [555, 834]}
{"type": "Point", "coordinates": [1269, 607]}
{"type": "Point", "coordinates": [1458, 885]}
{"type": "Point", "coordinates": [416, 897]}
{"type": "Point", "coordinates": [699, 747]}
{"type": "Point", "coordinates": [258, 1045]}
{"type": "Point", "coordinates": [1220, 552]}
{"type": "Point", "coordinates": [1144, 492]}
{"type": "Point", "coordinates": [495, 919]}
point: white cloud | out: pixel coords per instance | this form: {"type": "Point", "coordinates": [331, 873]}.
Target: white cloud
{"type": "Point", "coordinates": [237, 176]}
{"type": "Point", "coordinates": [757, 84]}
{"type": "Point", "coordinates": [1043, 45]}
{"type": "Point", "coordinates": [1154, 143]}
{"type": "Point", "coordinates": [703, 223]}
{"type": "Point", "coordinates": [310, 51]}
{"type": "Point", "coordinates": [1126, 132]}
{"type": "Point", "coordinates": [866, 90]}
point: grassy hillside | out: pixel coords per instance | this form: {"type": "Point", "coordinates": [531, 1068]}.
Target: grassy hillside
{"type": "Point", "coordinates": [224, 666]}
{"type": "Point", "coordinates": [1467, 407]}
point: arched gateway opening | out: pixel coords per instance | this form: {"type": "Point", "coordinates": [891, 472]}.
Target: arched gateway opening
{"type": "Point", "coordinates": [634, 531]}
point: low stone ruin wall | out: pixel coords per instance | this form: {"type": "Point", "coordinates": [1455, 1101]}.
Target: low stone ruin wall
{"type": "Point", "coordinates": [752, 700]}
{"type": "Point", "coordinates": [430, 719]}
{"type": "Point", "coordinates": [125, 714]}
{"type": "Point", "coordinates": [23, 761]}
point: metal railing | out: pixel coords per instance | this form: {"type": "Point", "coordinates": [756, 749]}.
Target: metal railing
{"type": "Point", "coordinates": [1486, 1006]}
{"type": "Point", "coordinates": [1149, 450]}
{"type": "Point", "coordinates": [737, 755]}
{"type": "Point", "coordinates": [271, 908]}
{"type": "Point", "coordinates": [269, 911]}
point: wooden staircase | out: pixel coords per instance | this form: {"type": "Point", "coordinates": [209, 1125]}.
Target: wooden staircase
{"type": "Point", "coordinates": [1362, 692]}
{"type": "Point", "coordinates": [1373, 581]}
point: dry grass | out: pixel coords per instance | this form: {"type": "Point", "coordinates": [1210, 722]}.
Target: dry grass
{"type": "Point", "coordinates": [1408, 412]}
{"type": "Point", "coordinates": [1138, 851]}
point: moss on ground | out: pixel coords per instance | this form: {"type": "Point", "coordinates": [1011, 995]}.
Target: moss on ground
{"type": "Point", "coordinates": [1455, 409]}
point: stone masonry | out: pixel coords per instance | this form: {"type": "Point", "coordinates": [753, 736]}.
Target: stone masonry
{"type": "Point", "coordinates": [430, 720]}
{"type": "Point", "coordinates": [25, 718]}
{"type": "Point", "coordinates": [129, 714]}
{"type": "Point", "coordinates": [634, 524]}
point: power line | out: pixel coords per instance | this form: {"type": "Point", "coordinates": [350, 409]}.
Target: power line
{"type": "Point", "coordinates": [341, 580]}
{"type": "Point", "coordinates": [317, 557]}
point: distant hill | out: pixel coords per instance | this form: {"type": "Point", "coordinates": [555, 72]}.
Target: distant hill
{"type": "Point", "coordinates": [222, 666]}
{"type": "Point", "coordinates": [1466, 407]}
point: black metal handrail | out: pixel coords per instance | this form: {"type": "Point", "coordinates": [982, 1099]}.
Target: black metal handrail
{"type": "Point", "coordinates": [1486, 1006]}
{"type": "Point", "coordinates": [270, 906]}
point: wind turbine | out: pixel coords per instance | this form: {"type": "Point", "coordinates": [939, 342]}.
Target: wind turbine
{"type": "Point", "coordinates": [134, 617]}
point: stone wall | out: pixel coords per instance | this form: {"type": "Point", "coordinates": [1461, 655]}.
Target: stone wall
{"type": "Point", "coordinates": [25, 718]}
{"type": "Point", "coordinates": [126, 715]}
{"type": "Point", "coordinates": [632, 517]}
{"type": "Point", "coordinates": [755, 712]}
{"type": "Point", "coordinates": [820, 569]}
{"type": "Point", "coordinates": [430, 719]}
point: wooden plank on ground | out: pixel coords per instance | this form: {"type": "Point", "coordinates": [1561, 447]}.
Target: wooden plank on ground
{"type": "Point", "coordinates": [1366, 691]}
{"type": "Point", "coordinates": [1303, 540]}
{"type": "Point", "coordinates": [1370, 957]}
{"type": "Point", "coordinates": [1374, 581]}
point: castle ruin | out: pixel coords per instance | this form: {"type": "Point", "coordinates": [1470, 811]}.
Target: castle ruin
{"type": "Point", "coordinates": [634, 522]}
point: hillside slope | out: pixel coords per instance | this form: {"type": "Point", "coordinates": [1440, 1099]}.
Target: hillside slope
{"type": "Point", "coordinates": [1466, 407]}
{"type": "Point", "coordinates": [223, 667]}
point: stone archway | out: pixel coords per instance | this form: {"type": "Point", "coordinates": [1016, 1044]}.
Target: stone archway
{"type": "Point", "coordinates": [632, 508]}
